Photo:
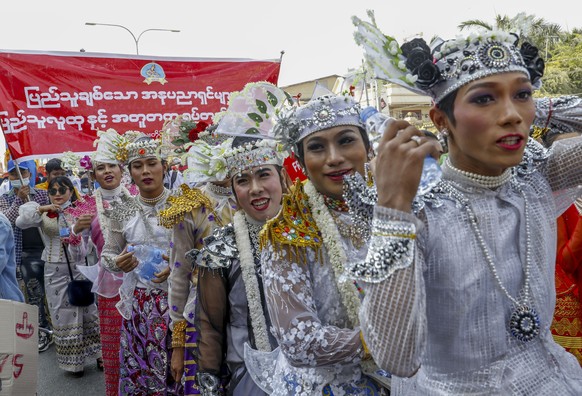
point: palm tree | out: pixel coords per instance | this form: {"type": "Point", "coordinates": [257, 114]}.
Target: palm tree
{"type": "Point", "coordinates": [541, 33]}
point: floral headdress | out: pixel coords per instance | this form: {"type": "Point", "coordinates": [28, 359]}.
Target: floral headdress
{"type": "Point", "coordinates": [252, 114]}
{"type": "Point", "coordinates": [111, 147]}
{"type": "Point", "coordinates": [555, 116]}
{"type": "Point", "coordinates": [448, 65]}
{"type": "Point", "coordinates": [321, 112]}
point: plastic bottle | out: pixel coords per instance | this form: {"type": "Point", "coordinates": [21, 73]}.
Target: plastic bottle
{"type": "Point", "coordinates": [375, 126]}
{"type": "Point", "coordinates": [150, 260]}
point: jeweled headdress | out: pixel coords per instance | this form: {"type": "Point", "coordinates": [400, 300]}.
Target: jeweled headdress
{"type": "Point", "coordinates": [322, 112]}
{"type": "Point", "coordinates": [445, 66]}
{"type": "Point", "coordinates": [143, 148]}
{"type": "Point", "coordinates": [252, 114]}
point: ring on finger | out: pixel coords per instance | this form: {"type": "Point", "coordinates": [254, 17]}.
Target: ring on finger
{"type": "Point", "coordinates": [416, 139]}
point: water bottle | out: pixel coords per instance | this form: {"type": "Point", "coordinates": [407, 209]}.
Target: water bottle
{"type": "Point", "coordinates": [376, 125]}
{"type": "Point", "coordinates": [150, 260]}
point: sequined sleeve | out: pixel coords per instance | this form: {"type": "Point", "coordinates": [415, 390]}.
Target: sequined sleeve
{"type": "Point", "coordinates": [304, 339]}
{"type": "Point", "coordinates": [186, 235]}
{"type": "Point", "coordinates": [563, 171]}
{"type": "Point", "coordinates": [393, 315]}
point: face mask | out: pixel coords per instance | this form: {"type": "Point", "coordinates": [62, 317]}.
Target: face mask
{"type": "Point", "coordinates": [18, 184]}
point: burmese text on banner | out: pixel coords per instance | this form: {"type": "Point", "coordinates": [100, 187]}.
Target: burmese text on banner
{"type": "Point", "coordinates": [56, 102]}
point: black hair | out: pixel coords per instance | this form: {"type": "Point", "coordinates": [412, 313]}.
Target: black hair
{"type": "Point", "coordinates": [53, 165]}
{"type": "Point", "coordinates": [300, 150]}
{"type": "Point", "coordinates": [66, 182]}
{"type": "Point", "coordinates": [447, 106]}
{"type": "Point", "coordinates": [244, 140]}
{"type": "Point", "coordinates": [429, 134]}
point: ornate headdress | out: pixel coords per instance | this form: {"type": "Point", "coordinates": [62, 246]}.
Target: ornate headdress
{"type": "Point", "coordinates": [252, 114]}
{"type": "Point", "coordinates": [321, 112]}
{"type": "Point", "coordinates": [556, 116]}
{"type": "Point", "coordinates": [446, 66]}
{"type": "Point", "coordinates": [143, 147]}
{"type": "Point", "coordinates": [111, 147]}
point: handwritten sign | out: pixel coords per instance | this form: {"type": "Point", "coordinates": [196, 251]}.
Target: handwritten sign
{"type": "Point", "coordinates": [56, 102]}
{"type": "Point", "coordinates": [18, 348]}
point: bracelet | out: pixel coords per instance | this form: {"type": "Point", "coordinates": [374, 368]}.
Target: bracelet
{"type": "Point", "coordinates": [179, 334]}
{"type": "Point", "coordinates": [394, 235]}
{"type": "Point", "coordinates": [367, 354]}
{"type": "Point", "coordinates": [391, 247]}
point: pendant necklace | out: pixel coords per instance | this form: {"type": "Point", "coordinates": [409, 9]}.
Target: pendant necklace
{"type": "Point", "coordinates": [524, 323]}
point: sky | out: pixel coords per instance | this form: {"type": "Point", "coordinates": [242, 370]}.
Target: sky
{"type": "Point", "coordinates": [316, 35]}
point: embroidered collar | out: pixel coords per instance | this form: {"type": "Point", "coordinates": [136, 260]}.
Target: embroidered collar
{"type": "Point", "coordinates": [182, 203]}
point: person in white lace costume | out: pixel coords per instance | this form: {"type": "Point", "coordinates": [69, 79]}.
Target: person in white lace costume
{"type": "Point", "coordinates": [481, 244]}
{"type": "Point", "coordinates": [313, 308]}
{"type": "Point", "coordinates": [145, 352]}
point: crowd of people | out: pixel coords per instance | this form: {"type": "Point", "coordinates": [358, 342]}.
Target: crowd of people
{"type": "Point", "coordinates": [231, 278]}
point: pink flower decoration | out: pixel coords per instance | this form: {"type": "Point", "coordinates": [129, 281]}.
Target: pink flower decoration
{"type": "Point", "coordinates": [86, 163]}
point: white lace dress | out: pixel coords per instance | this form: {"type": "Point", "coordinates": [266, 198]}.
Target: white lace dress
{"type": "Point", "coordinates": [319, 347]}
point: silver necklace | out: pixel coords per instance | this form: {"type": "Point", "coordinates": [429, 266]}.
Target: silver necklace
{"type": "Point", "coordinates": [524, 323]}
{"type": "Point", "coordinates": [482, 180]}
{"type": "Point", "coordinates": [218, 190]}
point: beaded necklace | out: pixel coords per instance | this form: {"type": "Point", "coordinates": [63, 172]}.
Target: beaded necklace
{"type": "Point", "coordinates": [155, 200]}
{"type": "Point", "coordinates": [335, 204]}
{"type": "Point", "coordinates": [482, 180]}
{"type": "Point", "coordinates": [524, 323]}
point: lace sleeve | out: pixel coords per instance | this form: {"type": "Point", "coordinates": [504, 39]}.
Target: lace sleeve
{"type": "Point", "coordinates": [212, 315]}
{"type": "Point", "coordinates": [186, 235]}
{"type": "Point", "coordinates": [114, 245]}
{"type": "Point", "coordinates": [392, 315]}
{"type": "Point", "coordinates": [303, 338]}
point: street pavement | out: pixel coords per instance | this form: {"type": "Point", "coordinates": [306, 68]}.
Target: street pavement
{"type": "Point", "coordinates": [52, 381]}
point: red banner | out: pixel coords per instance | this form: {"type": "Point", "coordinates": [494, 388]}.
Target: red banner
{"type": "Point", "coordinates": [55, 102]}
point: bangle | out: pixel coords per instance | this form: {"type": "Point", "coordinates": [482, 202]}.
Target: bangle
{"type": "Point", "coordinates": [179, 334]}
{"type": "Point", "coordinates": [367, 355]}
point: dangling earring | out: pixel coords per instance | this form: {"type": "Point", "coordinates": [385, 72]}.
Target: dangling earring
{"type": "Point", "coordinates": [443, 139]}
{"type": "Point", "coordinates": [368, 177]}
{"type": "Point", "coordinates": [370, 155]}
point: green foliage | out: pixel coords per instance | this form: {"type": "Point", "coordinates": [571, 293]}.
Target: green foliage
{"type": "Point", "coordinates": [563, 73]}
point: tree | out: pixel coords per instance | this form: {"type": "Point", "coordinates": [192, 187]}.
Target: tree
{"type": "Point", "coordinates": [563, 74]}
{"type": "Point", "coordinates": [539, 32]}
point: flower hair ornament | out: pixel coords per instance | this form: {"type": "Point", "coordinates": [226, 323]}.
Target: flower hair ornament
{"type": "Point", "coordinates": [72, 161]}
{"type": "Point", "coordinates": [446, 66]}
{"type": "Point", "coordinates": [252, 113]}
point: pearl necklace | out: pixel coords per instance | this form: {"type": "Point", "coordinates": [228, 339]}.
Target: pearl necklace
{"type": "Point", "coordinates": [482, 180]}
{"type": "Point", "coordinates": [155, 200]}
{"type": "Point", "coordinates": [524, 323]}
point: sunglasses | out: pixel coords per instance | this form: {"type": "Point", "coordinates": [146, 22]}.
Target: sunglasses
{"type": "Point", "coordinates": [60, 190]}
